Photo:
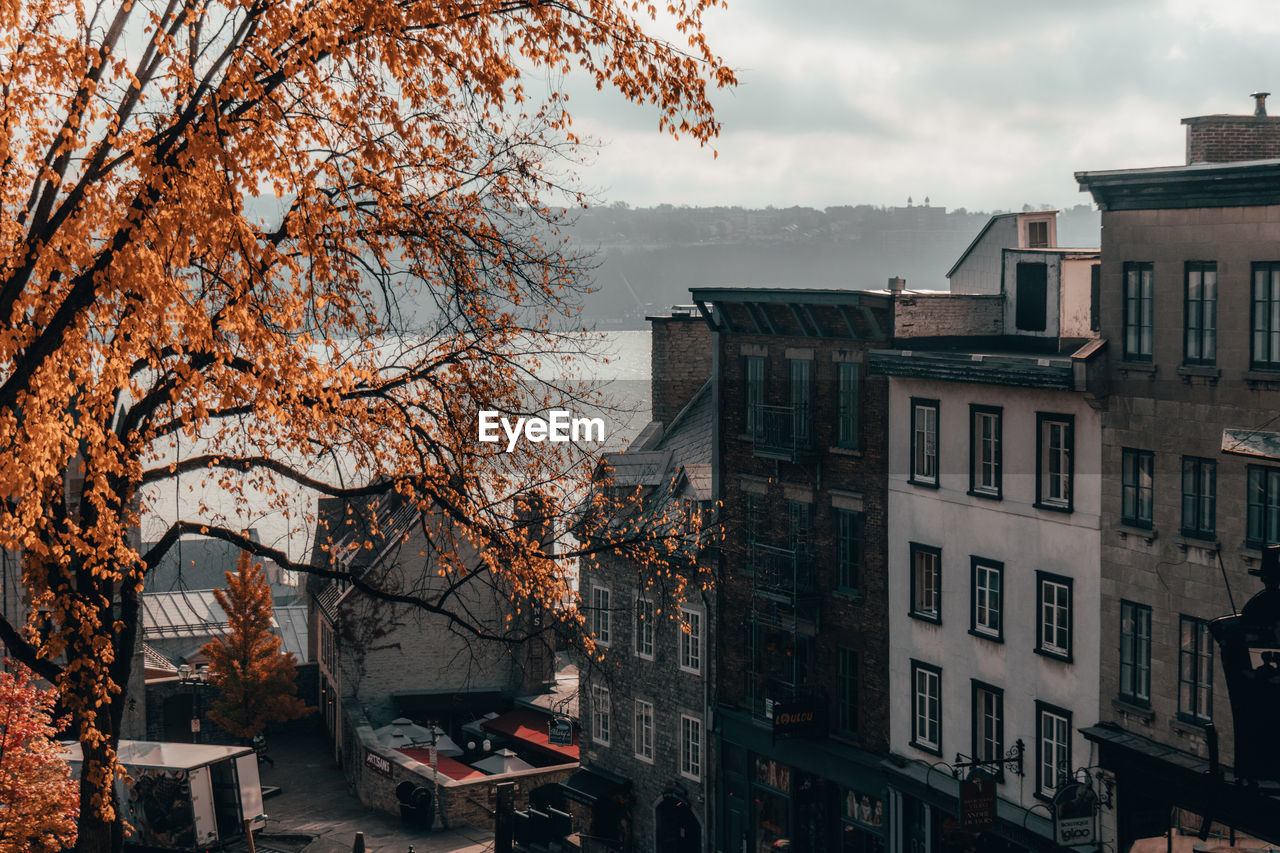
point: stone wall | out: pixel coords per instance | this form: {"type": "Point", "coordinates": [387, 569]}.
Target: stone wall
{"type": "Point", "coordinates": [925, 315]}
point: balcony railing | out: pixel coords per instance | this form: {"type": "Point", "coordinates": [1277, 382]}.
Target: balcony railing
{"type": "Point", "coordinates": [786, 571]}
{"type": "Point", "coordinates": [781, 432]}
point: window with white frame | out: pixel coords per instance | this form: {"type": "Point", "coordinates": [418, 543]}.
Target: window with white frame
{"type": "Point", "coordinates": [1055, 615]}
{"type": "Point", "coordinates": [690, 747]}
{"type": "Point", "coordinates": [600, 614]}
{"type": "Point", "coordinates": [600, 714]}
{"type": "Point", "coordinates": [1053, 748]}
{"type": "Point", "coordinates": [926, 582]}
{"type": "Point", "coordinates": [984, 453]}
{"type": "Point", "coordinates": [926, 685]}
{"type": "Point", "coordinates": [988, 598]}
{"type": "Point", "coordinates": [644, 628]}
{"type": "Point", "coordinates": [691, 640]}
{"type": "Point", "coordinates": [1053, 460]}
{"type": "Point", "coordinates": [644, 730]}
{"type": "Point", "coordinates": [1135, 653]}
{"type": "Point", "coordinates": [1195, 671]}
{"type": "Point", "coordinates": [988, 723]}
{"type": "Point", "coordinates": [924, 442]}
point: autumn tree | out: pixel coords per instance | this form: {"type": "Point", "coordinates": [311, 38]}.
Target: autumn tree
{"type": "Point", "coordinates": [212, 216]}
{"type": "Point", "coordinates": [37, 794]}
{"type": "Point", "coordinates": [256, 682]}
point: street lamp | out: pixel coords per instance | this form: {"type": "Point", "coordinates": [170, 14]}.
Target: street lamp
{"type": "Point", "coordinates": [196, 678]}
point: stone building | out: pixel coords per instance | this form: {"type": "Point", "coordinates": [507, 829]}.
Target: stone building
{"type": "Point", "coordinates": [800, 452]}
{"type": "Point", "coordinates": [1190, 302]}
{"type": "Point", "coordinates": [648, 766]}
{"type": "Point", "coordinates": [993, 507]}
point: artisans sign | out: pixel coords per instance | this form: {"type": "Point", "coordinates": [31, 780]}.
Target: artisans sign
{"type": "Point", "coordinates": [978, 802]}
{"type": "Point", "coordinates": [377, 763]}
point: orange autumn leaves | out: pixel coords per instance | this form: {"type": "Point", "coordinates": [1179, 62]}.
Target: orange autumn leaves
{"type": "Point", "coordinates": [210, 216]}
{"type": "Point", "coordinates": [256, 683]}
{"type": "Point", "coordinates": [37, 793]}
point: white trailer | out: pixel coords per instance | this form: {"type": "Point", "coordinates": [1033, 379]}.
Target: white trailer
{"type": "Point", "coordinates": [185, 796]}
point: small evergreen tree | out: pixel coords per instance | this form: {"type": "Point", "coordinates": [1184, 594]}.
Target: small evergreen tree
{"type": "Point", "coordinates": [256, 683]}
{"type": "Point", "coordinates": [39, 801]}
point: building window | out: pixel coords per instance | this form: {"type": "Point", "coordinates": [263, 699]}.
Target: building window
{"type": "Point", "coordinates": [847, 394]}
{"type": "Point", "coordinates": [798, 527]}
{"type": "Point", "coordinates": [848, 549]}
{"type": "Point", "coordinates": [1137, 470]}
{"type": "Point", "coordinates": [846, 690]}
{"type": "Point", "coordinates": [1054, 451]}
{"type": "Point", "coordinates": [1201, 346]}
{"type": "Point", "coordinates": [691, 640]}
{"type": "Point", "coordinates": [1053, 748]}
{"type": "Point", "coordinates": [600, 615]}
{"type": "Point", "coordinates": [1037, 235]}
{"type": "Point", "coordinates": [1055, 615]}
{"type": "Point", "coordinates": [1137, 312]}
{"type": "Point", "coordinates": [926, 685]}
{"type": "Point", "coordinates": [1263, 524]}
{"type": "Point", "coordinates": [1135, 653]}
{"type": "Point", "coordinates": [1266, 316]}
{"type": "Point", "coordinates": [988, 724]}
{"type": "Point", "coordinates": [1199, 490]}
{"type": "Point", "coordinates": [926, 582]}
{"type": "Point", "coordinates": [644, 730]}
{"type": "Point", "coordinates": [800, 394]}
{"type": "Point", "coordinates": [1031, 297]}
{"type": "Point", "coordinates": [924, 442]}
{"type": "Point", "coordinates": [1195, 671]}
{"type": "Point", "coordinates": [984, 451]}
{"type": "Point", "coordinates": [753, 529]}
{"type": "Point", "coordinates": [600, 714]}
{"type": "Point", "coordinates": [753, 367]}
{"type": "Point", "coordinates": [644, 628]}
{"type": "Point", "coordinates": [690, 747]}
{"type": "Point", "coordinates": [987, 585]}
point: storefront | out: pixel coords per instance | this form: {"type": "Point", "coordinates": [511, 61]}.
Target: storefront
{"type": "Point", "coordinates": [924, 805]}
{"type": "Point", "coordinates": [814, 795]}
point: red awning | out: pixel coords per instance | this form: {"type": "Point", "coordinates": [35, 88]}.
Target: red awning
{"type": "Point", "coordinates": [450, 767]}
{"type": "Point", "coordinates": [530, 727]}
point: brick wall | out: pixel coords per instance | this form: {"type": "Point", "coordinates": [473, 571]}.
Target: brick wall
{"type": "Point", "coordinates": [859, 622]}
{"type": "Point", "coordinates": [681, 362]}
{"type": "Point", "coordinates": [1228, 138]}
{"type": "Point", "coordinates": [918, 315]}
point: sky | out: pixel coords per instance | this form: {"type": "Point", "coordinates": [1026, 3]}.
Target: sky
{"type": "Point", "coordinates": [981, 104]}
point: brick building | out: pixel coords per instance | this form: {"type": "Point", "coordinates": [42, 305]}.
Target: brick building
{"type": "Point", "coordinates": [800, 459]}
{"type": "Point", "coordinates": [1190, 299]}
{"type": "Point", "coordinates": [648, 771]}
{"type": "Point", "coordinates": [993, 506]}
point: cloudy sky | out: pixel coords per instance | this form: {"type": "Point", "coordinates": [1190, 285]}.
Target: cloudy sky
{"type": "Point", "coordinates": [974, 103]}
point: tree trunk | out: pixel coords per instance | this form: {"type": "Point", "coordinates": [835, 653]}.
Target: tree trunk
{"type": "Point", "coordinates": [95, 834]}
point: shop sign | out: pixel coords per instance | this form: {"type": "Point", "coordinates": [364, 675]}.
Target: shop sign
{"type": "Point", "coordinates": [560, 732]}
{"type": "Point", "coordinates": [861, 807]}
{"type": "Point", "coordinates": [978, 802]}
{"type": "Point", "coordinates": [800, 716]}
{"type": "Point", "coordinates": [1074, 809]}
{"type": "Point", "coordinates": [377, 763]}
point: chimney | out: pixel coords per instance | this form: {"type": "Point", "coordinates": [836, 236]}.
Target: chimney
{"type": "Point", "coordinates": [897, 285]}
{"type": "Point", "coordinates": [1232, 138]}
{"type": "Point", "coordinates": [680, 360]}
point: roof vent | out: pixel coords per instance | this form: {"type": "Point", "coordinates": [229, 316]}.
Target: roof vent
{"type": "Point", "coordinates": [1260, 103]}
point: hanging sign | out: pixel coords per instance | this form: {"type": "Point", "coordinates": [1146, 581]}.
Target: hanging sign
{"type": "Point", "coordinates": [1075, 807]}
{"type": "Point", "coordinates": [978, 802]}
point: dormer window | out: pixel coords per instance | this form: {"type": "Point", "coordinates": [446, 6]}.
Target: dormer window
{"type": "Point", "coordinates": [1038, 235]}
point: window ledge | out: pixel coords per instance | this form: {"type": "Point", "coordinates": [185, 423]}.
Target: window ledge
{"type": "Point", "coordinates": [1266, 378]}
{"type": "Point", "coordinates": [990, 638]}
{"type": "Point", "coordinates": [1058, 656]}
{"type": "Point", "coordinates": [990, 496]}
{"type": "Point", "coordinates": [844, 451]}
{"type": "Point", "coordinates": [928, 484]}
{"type": "Point", "coordinates": [1188, 728]}
{"type": "Point", "coordinates": [925, 617]}
{"type": "Point", "coordinates": [1132, 711]}
{"type": "Point", "coordinates": [1206, 372]}
{"type": "Point", "coordinates": [1064, 508]}
{"type": "Point", "coordinates": [1145, 367]}
{"type": "Point", "coordinates": [1185, 542]}
{"type": "Point", "coordinates": [1148, 534]}
{"type": "Point", "coordinates": [849, 594]}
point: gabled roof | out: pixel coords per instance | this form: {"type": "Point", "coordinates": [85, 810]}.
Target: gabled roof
{"type": "Point", "coordinates": [985, 228]}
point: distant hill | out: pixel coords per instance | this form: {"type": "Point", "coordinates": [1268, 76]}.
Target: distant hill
{"type": "Point", "coordinates": [649, 257]}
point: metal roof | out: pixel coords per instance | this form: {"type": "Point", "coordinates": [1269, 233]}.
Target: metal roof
{"type": "Point", "coordinates": [177, 615]}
